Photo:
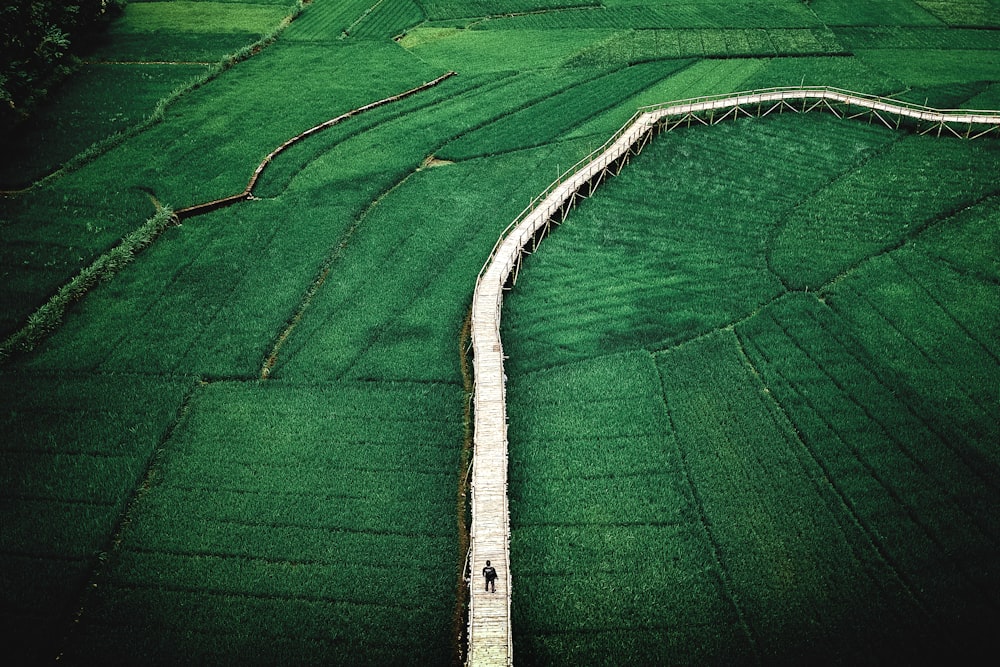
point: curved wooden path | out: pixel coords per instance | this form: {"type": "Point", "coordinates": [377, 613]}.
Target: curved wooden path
{"type": "Point", "coordinates": [489, 630]}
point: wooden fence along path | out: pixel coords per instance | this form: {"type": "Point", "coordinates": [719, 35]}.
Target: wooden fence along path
{"type": "Point", "coordinates": [489, 630]}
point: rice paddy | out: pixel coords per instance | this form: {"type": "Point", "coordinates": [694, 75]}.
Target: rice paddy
{"type": "Point", "coordinates": [752, 380]}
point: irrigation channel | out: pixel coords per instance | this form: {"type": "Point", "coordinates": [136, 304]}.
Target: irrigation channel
{"type": "Point", "coordinates": [489, 629]}
{"type": "Point", "coordinates": [247, 194]}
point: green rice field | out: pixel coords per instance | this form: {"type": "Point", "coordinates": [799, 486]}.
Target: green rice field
{"type": "Point", "coordinates": [819, 435]}
{"type": "Point", "coordinates": [752, 381]}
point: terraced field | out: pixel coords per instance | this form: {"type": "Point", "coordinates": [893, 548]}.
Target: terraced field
{"type": "Point", "coordinates": [817, 431]}
{"type": "Point", "coordinates": [752, 380]}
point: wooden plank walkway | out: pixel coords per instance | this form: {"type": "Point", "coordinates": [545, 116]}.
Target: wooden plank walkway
{"type": "Point", "coordinates": [489, 630]}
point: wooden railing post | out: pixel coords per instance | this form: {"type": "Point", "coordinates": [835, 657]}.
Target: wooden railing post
{"type": "Point", "coordinates": [489, 613]}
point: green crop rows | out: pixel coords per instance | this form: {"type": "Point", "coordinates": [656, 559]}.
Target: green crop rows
{"type": "Point", "coordinates": [752, 380]}
{"type": "Point", "coordinates": [820, 436]}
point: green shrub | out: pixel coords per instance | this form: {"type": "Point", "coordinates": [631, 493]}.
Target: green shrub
{"type": "Point", "coordinates": [37, 42]}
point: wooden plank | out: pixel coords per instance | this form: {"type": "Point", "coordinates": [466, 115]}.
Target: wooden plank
{"type": "Point", "coordinates": [489, 612]}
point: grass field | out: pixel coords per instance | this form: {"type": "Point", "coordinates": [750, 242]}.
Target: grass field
{"type": "Point", "coordinates": [831, 422]}
{"type": "Point", "coordinates": [752, 380]}
{"type": "Point", "coordinates": [326, 529]}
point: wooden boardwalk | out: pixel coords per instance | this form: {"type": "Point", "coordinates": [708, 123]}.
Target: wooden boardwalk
{"type": "Point", "coordinates": [489, 630]}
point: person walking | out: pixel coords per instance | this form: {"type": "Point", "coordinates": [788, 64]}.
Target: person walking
{"type": "Point", "coordinates": [490, 574]}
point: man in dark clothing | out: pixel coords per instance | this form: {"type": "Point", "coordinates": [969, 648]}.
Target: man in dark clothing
{"type": "Point", "coordinates": [490, 573]}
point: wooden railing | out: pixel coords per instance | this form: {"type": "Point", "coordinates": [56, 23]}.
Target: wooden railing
{"type": "Point", "coordinates": [489, 613]}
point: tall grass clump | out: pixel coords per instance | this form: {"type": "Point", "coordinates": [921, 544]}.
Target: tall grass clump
{"type": "Point", "coordinates": [48, 316]}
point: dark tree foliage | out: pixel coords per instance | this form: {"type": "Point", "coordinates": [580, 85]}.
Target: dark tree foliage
{"type": "Point", "coordinates": [36, 42]}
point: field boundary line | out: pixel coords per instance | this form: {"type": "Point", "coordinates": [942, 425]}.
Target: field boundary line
{"type": "Point", "coordinates": [364, 15]}
{"type": "Point", "coordinates": [247, 193]}
{"type": "Point", "coordinates": [113, 540]}
{"type": "Point", "coordinates": [105, 145]}
{"type": "Point", "coordinates": [489, 625]}
{"type": "Point", "coordinates": [47, 316]}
